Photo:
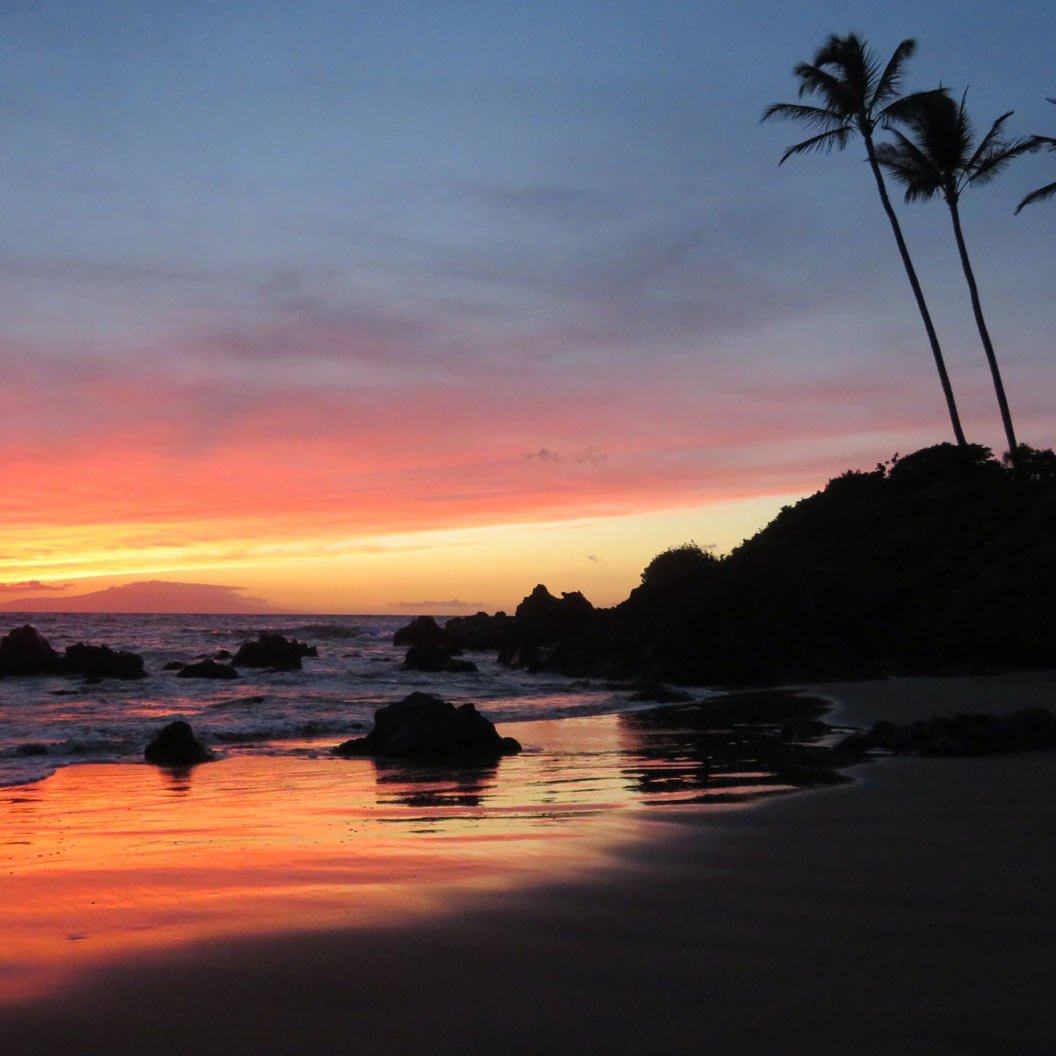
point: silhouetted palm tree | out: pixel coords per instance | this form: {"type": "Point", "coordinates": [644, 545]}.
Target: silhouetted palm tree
{"type": "Point", "coordinates": [857, 95]}
{"type": "Point", "coordinates": [1049, 189]}
{"type": "Point", "coordinates": [940, 159]}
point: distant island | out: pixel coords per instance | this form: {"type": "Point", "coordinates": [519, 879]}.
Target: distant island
{"type": "Point", "coordinates": [940, 561]}
{"type": "Point", "coordinates": [154, 596]}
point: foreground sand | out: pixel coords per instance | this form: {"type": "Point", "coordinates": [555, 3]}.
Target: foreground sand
{"type": "Point", "coordinates": [910, 912]}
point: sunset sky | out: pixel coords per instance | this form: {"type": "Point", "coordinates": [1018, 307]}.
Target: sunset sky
{"type": "Point", "coordinates": [385, 306]}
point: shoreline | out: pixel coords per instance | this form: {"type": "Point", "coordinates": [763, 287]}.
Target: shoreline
{"type": "Point", "coordinates": [909, 909]}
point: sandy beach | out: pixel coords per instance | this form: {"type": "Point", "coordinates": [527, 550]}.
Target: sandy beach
{"type": "Point", "coordinates": [910, 911]}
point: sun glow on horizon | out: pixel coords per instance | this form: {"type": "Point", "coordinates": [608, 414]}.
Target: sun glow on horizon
{"type": "Point", "coordinates": [492, 566]}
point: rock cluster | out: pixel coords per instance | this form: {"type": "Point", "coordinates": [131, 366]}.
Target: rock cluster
{"type": "Point", "coordinates": [1031, 729]}
{"type": "Point", "coordinates": [25, 651]}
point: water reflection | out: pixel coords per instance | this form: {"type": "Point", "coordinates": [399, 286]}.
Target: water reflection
{"type": "Point", "coordinates": [177, 779]}
{"type": "Point", "coordinates": [430, 786]}
{"type": "Point", "coordinates": [725, 750]}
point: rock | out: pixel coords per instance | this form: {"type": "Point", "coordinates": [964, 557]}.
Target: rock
{"type": "Point", "coordinates": [543, 618]}
{"type": "Point", "coordinates": [176, 745]}
{"type": "Point", "coordinates": [174, 665]}
{"type": "Point", "coordinates": [1033, 729]}
{"type": "Point", "coordinates": [422, 630]}
{"type": "Point", "coordinates": [30, 748]}
{"type": "Point", "coordinates": [207, 669]}
{"type": "Point", "coordinates": [422, 726]}
{"type": "Point", "coordinates": [274, 651]}
{"type": "Point", "coordinates": [548, 631]}
{"type": "Point", "coordinates": [25, 651]}
{"type": "Point", "coordinates": [100, 661]}
{"type": "Point", "coordinates": [438, 658]}
{"type": "Point", "coordinates": [481, 631]}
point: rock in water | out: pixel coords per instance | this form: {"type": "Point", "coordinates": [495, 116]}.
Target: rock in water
{"type": "Point", "coordinates": [207, 669]}
{"type": "Point", "coordinates": [100, 661]}
{"type": "Point", "coordinates": [25, 651]}
{"type": "Point", "coordinates": [435, 659]}
{"type": "Point", "coordinates": [176, 745]}
{"type": "Point", "coordinates": [422, 630]}
{"type": "Point", "coordinates": [274, 651]}
{"type": "Point", "coordinates": [422, 726]}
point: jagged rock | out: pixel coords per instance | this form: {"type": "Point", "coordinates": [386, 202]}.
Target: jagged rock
{"type": "Point", "coordinates": [176, 745]}
{"type": "Point", "coordinates": [274, 651]}
{"type": "Point", "coordinates": [422, 630]}
{"type": "Point", "coordinates": [174, 665]}
{"type": "Point", "coordinates": [481, 631]}
{"type": "Point", "coordinates": [439, 658]}
{"type": "Point", "coordinates": [100, 661]}
{"type": "Point", "coordinates": [422, 726]}
{"type": "Point", "coordinates": [25, 651]}
{"type": "Point", "coordinates": [543, 618]}
{"type": "Point", "coordinates": [207, 669]}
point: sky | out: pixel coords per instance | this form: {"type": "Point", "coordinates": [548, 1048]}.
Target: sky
{"type": "Point", "coordinates": [396, 306]}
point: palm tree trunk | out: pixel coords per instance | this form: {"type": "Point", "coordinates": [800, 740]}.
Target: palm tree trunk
{"type": "Point", "coordinates": [984, 334]}
{"type": "Point", "coordinates": [940, 364]}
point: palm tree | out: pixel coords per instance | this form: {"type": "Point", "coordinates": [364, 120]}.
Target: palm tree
{"type": "Point", "coordinates": [1049, 189]}
{"type": "Point", "coordinates": [857, 95]}
{"type": "Point", "coordinates": [939, 159]}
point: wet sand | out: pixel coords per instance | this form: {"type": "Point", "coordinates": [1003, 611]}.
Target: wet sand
{"type": "Point", "coordinates": [909, 912]}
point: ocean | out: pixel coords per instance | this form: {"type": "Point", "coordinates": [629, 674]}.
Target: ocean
{"type": "Point", "coordinates": [295, 713]}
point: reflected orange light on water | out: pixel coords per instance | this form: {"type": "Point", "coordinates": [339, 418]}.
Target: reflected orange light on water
{"type": "Point", "coordinates": [105, 862]}
{"type": "Point", "coordinates": [115, 862]}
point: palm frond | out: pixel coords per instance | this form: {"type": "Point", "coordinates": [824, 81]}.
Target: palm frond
{"type": "Point", "coordinates": [891, 79]}
{"type": "Point", "coordinates": [813, 80]}
{"type": "Point", "coordinates": [994, 163]}
{"type": "Point", "coordinates": [1039, 195]}
{"type": "Point", "coordinates": [834, 139]}
{"type": "Point", "coordinates": [994, 153]}
{"type": "Point", "coordinates": [912, 167]}
{"type": "Point", "coordinates": [811, 116]}
{"type": "Point", "coordinates": [993, 140]}
{"type": "Point", "coordinates": [907, 109]}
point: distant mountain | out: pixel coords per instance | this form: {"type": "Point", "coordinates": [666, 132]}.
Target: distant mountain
{"type": "Point", "coordinates": [154, 595]}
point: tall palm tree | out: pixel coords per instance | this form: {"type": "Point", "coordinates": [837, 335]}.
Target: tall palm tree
{"type": "Point", "coordinates": [940, 159]}
{"type": "Point", "coordinates": [1049, 189]}
{"type": "Point", "coordinates": [857, 96]}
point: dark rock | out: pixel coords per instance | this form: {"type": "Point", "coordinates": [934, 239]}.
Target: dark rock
{"type": "Point", "coordinates": [422, 726]}
{"type": "Point", "coordinates": [1033, 729]}
{"type": "Point", "coordinates": [176, 745]}
{"type": "Point", "coordinates": [25, 651]}
{"type": "Point", "coordinates": [422, 630]}
{"type": "Point", "coordinates": [274, 651]}
{"type": "Point", "coordinates": [207, 669]}
{"type": "Point", "coordinates": [222, 654]}
{"type": "Point", "coordinates": [481, 631]}
{"type": "Point", "coordinates": [543, 618]}
{"type": "Point", "coordinates": [32, 748]}
{"type": "Point", "coordinates": [174, 665]}
{"type": "Point", "coordinates": [436, 658]}
{"type": "Point", "coordinates": [100, 661]}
